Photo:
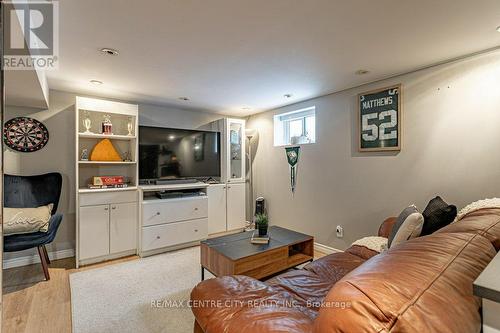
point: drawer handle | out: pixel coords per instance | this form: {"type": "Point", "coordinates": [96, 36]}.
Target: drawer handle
{"type": "Point", "coordinates": [106, 208]}
{"type": "Point", "coordinates": [158, 237]}
{"type": "Point", "coordinates": [196, 208]}
{"type": "Point", "coordinates": [114, 207]}
{"type": "Point", "coordinates": [195, 230]}
{"type": "Point", "coordinates": [157, 213]}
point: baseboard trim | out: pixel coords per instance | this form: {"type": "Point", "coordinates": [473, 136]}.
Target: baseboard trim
{"type": "Point", "coordinates": [35, 259]}
{"type": "Point", "coordinates": [325, 249]}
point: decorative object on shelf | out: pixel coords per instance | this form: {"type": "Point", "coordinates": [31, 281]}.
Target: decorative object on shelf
{"type": "Point", "coordinates": [379, 119]}
{"type": "Point", "coordinates": [108, 180]}
{"type": "Point", "coordinates": [107, 126]}
{"type": "Point", "coordinates": [84, 155]}
{"type": "Point", "coordinates": [127, 157]}
{"type": "Point", "coordinates": [87, 123]}
{"type": "Point", "coordinates": [292, 155]}
{"type": "Point", "coordinates": [105, 151]}
{"type": "Point", "coordinates": [261, 223]}
{"type": "Point", "coordinates": [25, 134]}
{"type": "Point", "coordinates": [130, 126]}
{"type": "Point", "coordinates": [98, 187]}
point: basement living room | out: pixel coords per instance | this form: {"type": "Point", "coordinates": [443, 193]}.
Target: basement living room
{"type": "Point", "coordinates": [250, 166]}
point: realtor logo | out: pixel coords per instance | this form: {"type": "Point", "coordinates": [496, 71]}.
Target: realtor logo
{"type": "Point", "coordinates": [31, 35]}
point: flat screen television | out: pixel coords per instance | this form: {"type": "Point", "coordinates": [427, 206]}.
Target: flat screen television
{"type": "Point", "coordinates": [169, 153]}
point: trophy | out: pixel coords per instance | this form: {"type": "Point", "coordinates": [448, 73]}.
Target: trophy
{"type": "Point", "coordinates": [87, 123]}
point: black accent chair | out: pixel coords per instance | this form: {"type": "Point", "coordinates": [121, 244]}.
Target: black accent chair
{"type": "Point", "coordinates": [31, 192]}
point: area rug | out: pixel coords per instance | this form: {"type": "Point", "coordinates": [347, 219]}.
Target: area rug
{"type": "Point", "coordinates": [144, 295]}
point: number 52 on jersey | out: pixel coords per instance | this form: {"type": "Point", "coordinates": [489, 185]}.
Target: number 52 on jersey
{"type": "Point", "coordinates": [380, 119]}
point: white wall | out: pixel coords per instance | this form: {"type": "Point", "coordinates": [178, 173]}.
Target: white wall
{"type": "Point", "coordinates": [58, 155]}
{"type": "Point", "coordinates": [451, 147]}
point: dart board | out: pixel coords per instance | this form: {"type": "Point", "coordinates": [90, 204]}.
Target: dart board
{"type": "Point", "coordinates": [25, 134]}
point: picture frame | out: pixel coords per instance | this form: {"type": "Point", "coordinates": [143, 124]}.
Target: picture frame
{"type": "Point", "coordinates": [380, 118]}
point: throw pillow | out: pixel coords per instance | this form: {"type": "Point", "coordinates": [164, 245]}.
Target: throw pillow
{"type": "Point", "coordinates": [437, 214]}
{"type": "Point", "coordinates": [408, 225]}
{"type": "Point", "coordinates": [26, 220]}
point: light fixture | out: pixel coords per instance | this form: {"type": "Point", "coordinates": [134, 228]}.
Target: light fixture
{"type": "Point", "coordinates": [171, 137]}
{"type": "Point", "coordinates": [96, 82]}
{"type": "Point", "coordinates": [246, 108]}
{"type": "Point", "coordinates": [361, 72]}
{"type": "Point", "coordinates": [109, 51]}
{"type": "Point", "coordinates": [184, 98]}
{"type": "Point", "coordinates": [498, 28]}
{"type": "Point", "coordinates": [287, 95]}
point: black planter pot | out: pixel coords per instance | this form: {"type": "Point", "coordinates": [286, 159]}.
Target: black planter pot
{"type": "Point", "coordinates": [262, 231]}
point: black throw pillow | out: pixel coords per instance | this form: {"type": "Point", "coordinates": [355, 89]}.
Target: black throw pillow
{"type": "Point", "coordinates": [437, 214]}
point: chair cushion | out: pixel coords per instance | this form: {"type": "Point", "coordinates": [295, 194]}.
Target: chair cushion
{"type": "Point", "coordinates": [26, 220]}
{"type": "Point", "coordinates": [27, 241]}
{"type": "Point", "coordinates": [335, 266]}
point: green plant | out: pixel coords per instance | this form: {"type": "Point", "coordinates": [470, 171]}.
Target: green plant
{"type": "Point", "coordinates": [261, 221]}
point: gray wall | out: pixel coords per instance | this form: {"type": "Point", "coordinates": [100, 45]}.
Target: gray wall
{"type": "Point", "coordinates": [451, 147]}
{"type": "Point", "coordinates": [59, 153]}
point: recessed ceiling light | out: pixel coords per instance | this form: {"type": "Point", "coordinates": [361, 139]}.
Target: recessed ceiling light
{"type": "Point", "coordinates": [498, 28]}
{"type": "Point", "coordinates": [96, 82]}
{"type": "Point", "coordinates": [184, 98]}
{"type": "Point", "coordinates": [287, 95]}
{"type": "Point", "coordinates": [109, 51]}
{"type": "Point", "coordinates": [362, 72]}
{"type": "Point", "coordinates": [245, 108]}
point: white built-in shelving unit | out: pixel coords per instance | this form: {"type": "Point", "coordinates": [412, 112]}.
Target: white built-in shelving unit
{"type": "Point", "coordinates": [107, 219]}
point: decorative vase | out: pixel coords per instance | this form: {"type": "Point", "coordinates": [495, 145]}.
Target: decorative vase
{"type": "Point", "coordinates": [262, 231]}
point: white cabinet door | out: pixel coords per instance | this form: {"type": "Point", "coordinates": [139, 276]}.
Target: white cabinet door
{"type": "Point", "coordinates": [216, 208]}
{"type": "Point", "coordinates": [234, 153]}
{"type": "Point", "coordinates": [94, 231]}
{"type": "Point", "coordinates": [235, 206]}
{"type": "Point", "coordinates": [123, 227]}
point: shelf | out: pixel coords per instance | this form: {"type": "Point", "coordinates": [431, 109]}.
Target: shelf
{"type": "Point", "coordinates": [107, 162]}
{"type": "Point", "coordinates": [106, 136]}
{"type": "Point", "coordinates": [95, 190]}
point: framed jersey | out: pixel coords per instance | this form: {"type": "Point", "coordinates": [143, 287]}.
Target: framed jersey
{"type": "Point", "coordinates": [379, 119]}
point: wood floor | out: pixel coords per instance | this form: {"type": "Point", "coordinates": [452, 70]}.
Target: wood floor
{"type": "Point", "coordinates": [33, 305]}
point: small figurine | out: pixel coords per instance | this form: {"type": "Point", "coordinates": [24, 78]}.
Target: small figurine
{"type": "Point", "coordinates": [127, 157]}
{"type": "Point", "coordinates": [85, 155]}
{"type": "Point", "coordinates": [107, 126]}
{"type": "Point", "coordinates": [130, 126]}
{"type": "Point", "coordinates": [87, 122]}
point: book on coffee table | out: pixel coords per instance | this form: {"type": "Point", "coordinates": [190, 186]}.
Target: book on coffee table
{"type": "Point", "coordinates": [256, 239]}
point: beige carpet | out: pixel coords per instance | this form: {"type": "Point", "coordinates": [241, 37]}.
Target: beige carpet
{"type": "Point", "coordinates": [118, 298]}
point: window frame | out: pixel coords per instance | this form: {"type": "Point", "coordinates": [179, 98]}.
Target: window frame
{"type": "Point", "coordinates": [286, 118]}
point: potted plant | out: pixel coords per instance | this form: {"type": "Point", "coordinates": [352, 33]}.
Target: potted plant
{"type": "Point", "coordinates": [261, 223]}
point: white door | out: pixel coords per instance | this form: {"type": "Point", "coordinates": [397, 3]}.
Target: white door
{"type": "Point", "coordinates": [235, 206]}
{"type": "Point", "coordinates": [94, 231]}
{"type": "Point", "coordinates": [216, 208]}
{"type": "Point", "coordinates": [123, 227]}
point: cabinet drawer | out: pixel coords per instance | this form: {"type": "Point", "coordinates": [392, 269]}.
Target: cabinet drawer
{"type": "Point", "coordinates": [89, 199]}
{"type": "Point", "coordinates": [158, 236]}
{"type": "Point", "coordinates": [174, 210]}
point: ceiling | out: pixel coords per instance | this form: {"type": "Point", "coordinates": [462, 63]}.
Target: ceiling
{"type": "Point", "coordinates": [230, 55]}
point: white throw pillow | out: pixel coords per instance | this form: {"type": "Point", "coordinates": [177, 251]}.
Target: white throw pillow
{"type": "Point", "coordinates": [408, 225]}
{"type": "Point", "coordinates": [26, 220]}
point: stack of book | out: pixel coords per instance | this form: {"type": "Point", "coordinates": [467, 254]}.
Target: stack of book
{"type": "Point", "coordinates": [256, 239]}
{"type": "Point", "coordinates": [108, 182]}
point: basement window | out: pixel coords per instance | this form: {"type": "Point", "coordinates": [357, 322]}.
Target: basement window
{"type": "Point", "coordinates": [295, 128]}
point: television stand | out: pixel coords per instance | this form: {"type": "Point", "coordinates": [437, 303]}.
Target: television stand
{"type": "Point", "coordinates": [175, 219]}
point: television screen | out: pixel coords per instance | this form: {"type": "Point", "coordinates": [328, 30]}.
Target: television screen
{"type": "Point", "coordinates": [168, 153]}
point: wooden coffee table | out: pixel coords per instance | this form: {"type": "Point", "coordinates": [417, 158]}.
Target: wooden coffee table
{"type": "Point", "coordinates": [235, 255]}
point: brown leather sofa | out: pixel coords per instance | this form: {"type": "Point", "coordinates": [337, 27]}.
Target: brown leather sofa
{"type": "Point", "coordinates": [422, 285]}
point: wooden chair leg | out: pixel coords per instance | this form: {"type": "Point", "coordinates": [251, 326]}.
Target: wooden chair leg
{"type": "Point", "coordinates": [46, 254]}
{"type": "Point", "coordinates": [44, 263]}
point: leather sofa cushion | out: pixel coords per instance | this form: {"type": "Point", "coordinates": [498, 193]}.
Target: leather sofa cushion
{"type": "Point", "coordinates": [485, 222]}
{"type": "Point", "coordinates": [242, 304]}
{"type": "Point", "coordinates": [335, 266]}
{"type": "Point", "coordinates": [423, 285]}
